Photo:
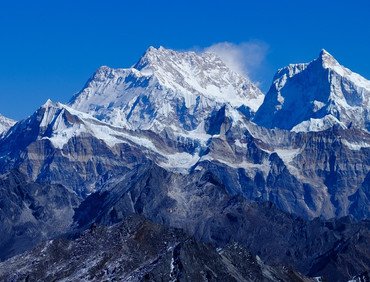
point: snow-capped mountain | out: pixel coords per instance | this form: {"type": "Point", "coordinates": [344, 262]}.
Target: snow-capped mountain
{"type": "Point", "coordinates": [5, 123]}
{"type": "Point", "coordinates": [315, 96]}
{"type": "Point", "coordinates": [166, 88]}
{"type": "Point", "coordinates": [173, 139]}
{"type": "Point", "coordinates": [58, 142]}
{"type": "Point", "coordinates": [87, 134]}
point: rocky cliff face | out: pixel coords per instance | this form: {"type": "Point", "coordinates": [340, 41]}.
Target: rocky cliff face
{"type": "Point", "coordinates": [31, 213]}
{"type": "Point", "coordinates": [205, 208]}
{"type": "Point", "coordinates": [335, 249]}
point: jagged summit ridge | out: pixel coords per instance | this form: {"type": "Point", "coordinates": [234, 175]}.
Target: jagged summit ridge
{"type": "Point", "coordinates": [166, 87]}
{"type": "Point", "coordinates": [204, 74]}
{"type": "Point", "coordinates": [315, 96]}
{"type": "Point", "coordinates": [324, 58]}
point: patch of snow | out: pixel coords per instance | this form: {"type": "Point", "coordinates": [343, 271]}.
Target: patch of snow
{"type": "Point", "coordinates": [317, 105]}
{"type": "Point", "coordinates": [356, 146]}
{"type": "Point", "coordinates": [248, 166]}
{"type": "Point", "coordinates": [288, 155]}
{"type": "Point", "coordinates": [314, 124]}
{"type": "Point", "coordinates": [5, 124]}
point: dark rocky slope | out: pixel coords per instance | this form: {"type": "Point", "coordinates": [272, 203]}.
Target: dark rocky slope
{"type": "Point", "coordinates": [201, 205]}
{"type": "Point", "coordinates": [138, 250]}
{"type": "Point", "coordinates": [31, 212]}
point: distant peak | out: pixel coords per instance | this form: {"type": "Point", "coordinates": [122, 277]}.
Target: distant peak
{"type": "Point", "coordinates": [161, 56]}
{"type": "Point", "coordinates": [323, 52]}
{"type": "Point", "coordinates": [102, 73]}
{"type": "Point", "coordinates": [150, 50]}
{"type": "Point", "coordinates": [102, 70]}
{"type": "Point", "coordinates": [154, 50]}
{"type": "Point", "coordinates": [160, 48]}
{"type": "Point", "coordinates": [48, 104]}
{"type": "Point", "coordinates": [327, 59]}
{"type": "Point", "coordinates": [5, 123]}
{"type": "Point", "coordinates": [146, 58]}
{"type": "Point", "coordinates": [4, 119]}
{"type": "Point", "coordinates": [156, 56]}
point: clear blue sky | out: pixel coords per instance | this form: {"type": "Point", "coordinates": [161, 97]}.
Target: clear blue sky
{"type": "Point", "coordinates": [48, 49]}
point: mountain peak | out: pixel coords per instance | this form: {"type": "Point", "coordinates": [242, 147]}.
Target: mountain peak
{"type": "Point", "coordinates": [315, 96]}
{"type": "Point", "coordinates": [327, 59]}
{"type": "Point", "coordinates": [148, 58]}
{"type": "Point", "coordinates": [323, 52]}
{"type": "Point", "coordinates": [5, 123]}
{"type": "Point", "coordinates": [49, 103]}
{"type": "Point", "coordinates": [152, 49]}
{"type": "Point", "coordinates": [164, 58]}
{"type": "Point", "coordinates": [160, 57]}
{"type": "Point", "coordinates": [179, 86]}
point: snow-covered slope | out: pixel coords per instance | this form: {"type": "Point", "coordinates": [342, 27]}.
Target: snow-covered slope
{"type": "Point", "coordinates": [62, 126]}
{"type": "Point", "coordinates": [5, 123]}
{"type": "Point", "coordinates": [316, 96]}
{"type": "Point", "coordinates": [167, 89]}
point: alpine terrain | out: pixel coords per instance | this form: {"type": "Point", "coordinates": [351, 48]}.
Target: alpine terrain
{"type": "Point", "coordinates": [181, 169]}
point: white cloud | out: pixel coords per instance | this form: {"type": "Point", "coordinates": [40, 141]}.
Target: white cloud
{"type": "Point", "coordinates": [246, 58]}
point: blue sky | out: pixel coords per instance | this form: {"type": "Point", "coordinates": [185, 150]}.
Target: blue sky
{"type": "Point", "coordinates": [48, 49]}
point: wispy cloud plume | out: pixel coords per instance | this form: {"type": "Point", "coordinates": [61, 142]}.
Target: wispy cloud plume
{"type": "Point", "coordinates": [247, 58]}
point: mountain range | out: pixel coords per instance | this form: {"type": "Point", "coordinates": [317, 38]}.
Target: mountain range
{"type": "Point", "coordinates": [182, 141]}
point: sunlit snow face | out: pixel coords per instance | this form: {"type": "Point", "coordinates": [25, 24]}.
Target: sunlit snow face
{"type": "Point", "coordinates": [315, 96]}
{"type": "Point", "coordinates": [166, 87]}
